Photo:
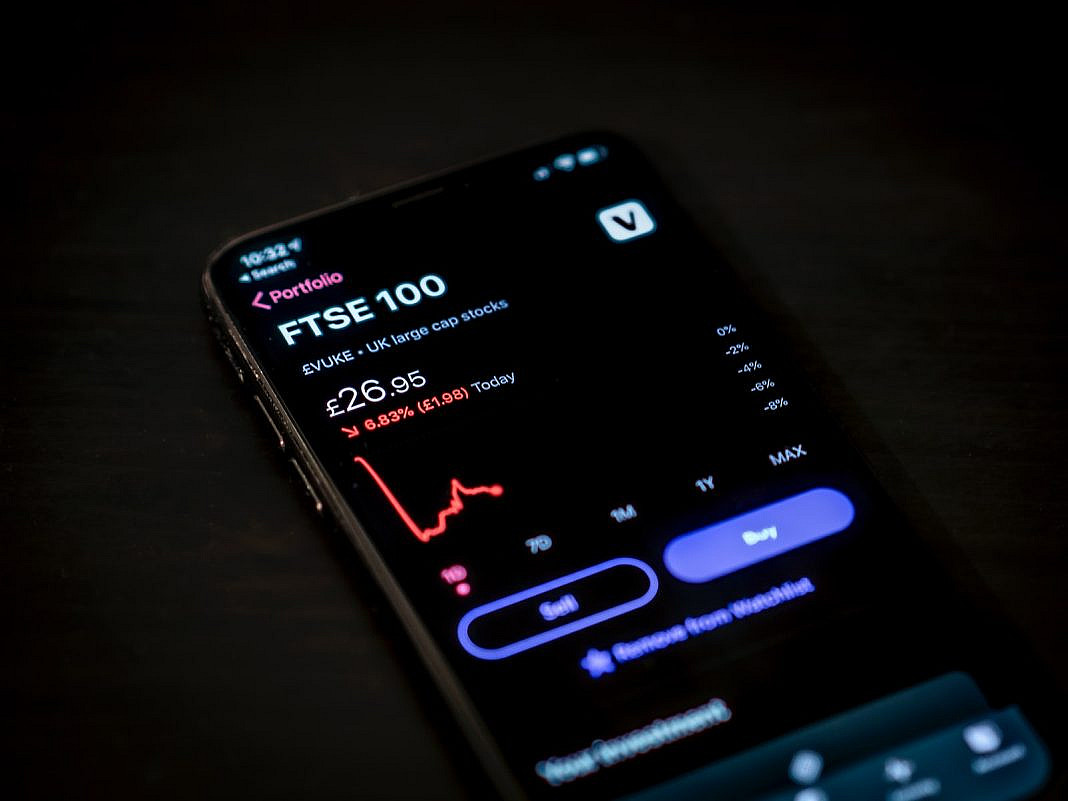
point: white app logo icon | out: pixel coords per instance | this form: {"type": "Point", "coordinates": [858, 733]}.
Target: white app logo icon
{"type": "Point", "coordinates": [806, 767]}
{"type": "Point", "coordinates": [627, 220]}
{"type": "Point", "coordinates": [983, 737]}
{"type": "Point", "coordinates": [898, 770]}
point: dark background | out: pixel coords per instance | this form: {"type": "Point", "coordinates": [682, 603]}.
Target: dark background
{"type": "Point", "coordinates": [178, 623]}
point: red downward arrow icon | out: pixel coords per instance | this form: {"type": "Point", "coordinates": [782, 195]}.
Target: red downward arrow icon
{"type": "Point", "coordinates": [256, 302]}
{"type": "Point", "coordinates": [352, 432]}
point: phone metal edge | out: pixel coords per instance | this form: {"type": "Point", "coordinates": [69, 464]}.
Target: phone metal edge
{"type": "Point", "coordinates": [456, 697]}
{"type": "Point", "coordinates": [459, 702]}
{"type": "Point", "coordinates": [463, 709]}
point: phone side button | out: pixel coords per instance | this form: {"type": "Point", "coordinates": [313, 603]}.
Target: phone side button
{"type": "Point", "coordinates": [308, 488]}
{"type": "Point", "coordinates": [234, 363]}
{"type": "Point", "coordinates": [279, 438]}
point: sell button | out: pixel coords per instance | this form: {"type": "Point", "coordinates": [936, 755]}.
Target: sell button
{"type": "Point", "coordinates": [741, 541]}
{"type": "Point", "coordinates": [549, 611]}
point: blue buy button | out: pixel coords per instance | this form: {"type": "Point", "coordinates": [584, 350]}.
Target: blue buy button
{"type": "Point", "coordinates": [722, 548]}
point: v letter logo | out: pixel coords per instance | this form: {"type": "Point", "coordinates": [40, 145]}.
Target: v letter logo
{"type": "Point", "coordinates": [627, 220]}
{"type": "Point", "coordinates": [630, 223]}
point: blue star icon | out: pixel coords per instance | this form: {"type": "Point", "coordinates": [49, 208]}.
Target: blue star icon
{"type": "Point", "coordinates": [597, 663]}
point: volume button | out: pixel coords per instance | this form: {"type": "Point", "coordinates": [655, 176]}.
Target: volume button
{"type": "Point", "coordinates": [279, 438]}
{"type": "Point", "coordinates": [234, 363]}
{"type": "Point", "coordinates": [308, 488]}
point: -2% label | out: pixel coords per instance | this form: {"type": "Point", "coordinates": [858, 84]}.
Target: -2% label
{"type": "Point", "coordinates": [349, 399]}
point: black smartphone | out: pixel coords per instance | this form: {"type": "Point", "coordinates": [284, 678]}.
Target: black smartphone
{"type": "Point", "coordinates": [637, 556]}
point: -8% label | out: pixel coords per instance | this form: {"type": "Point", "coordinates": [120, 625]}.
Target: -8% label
{"type": "Point", "coordinates": [349, 399]}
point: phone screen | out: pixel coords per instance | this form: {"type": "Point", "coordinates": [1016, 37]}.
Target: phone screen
{"type": "Point", "coordinates": [646, 561]}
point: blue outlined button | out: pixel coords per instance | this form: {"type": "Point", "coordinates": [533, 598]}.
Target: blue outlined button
{"type": "Point", "coordinates": [549, 611]}
{"type": "Point", "coordinates": [741, 541]}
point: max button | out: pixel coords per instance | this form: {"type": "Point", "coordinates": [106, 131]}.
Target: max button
{"type": "Point", "coordinates": [554, 609]}
{"type": "Point", "coordinates": [741, 541]}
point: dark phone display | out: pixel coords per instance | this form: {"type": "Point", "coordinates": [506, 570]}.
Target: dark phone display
{"type": "Point", "coordinates": [632, 533]}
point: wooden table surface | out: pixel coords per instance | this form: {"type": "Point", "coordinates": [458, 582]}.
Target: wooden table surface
{"type": "Point", "coordinates": [179, 623]}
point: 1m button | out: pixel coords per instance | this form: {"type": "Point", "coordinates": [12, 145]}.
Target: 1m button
{"type": "Point", "coordinates": [549, 611]}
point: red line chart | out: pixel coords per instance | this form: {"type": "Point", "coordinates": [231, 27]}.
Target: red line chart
{"type": "Point", "coordinates": [456, 503]}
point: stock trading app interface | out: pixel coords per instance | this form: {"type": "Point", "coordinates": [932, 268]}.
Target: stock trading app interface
{"type": "Point", "coordinates": [654, 566]}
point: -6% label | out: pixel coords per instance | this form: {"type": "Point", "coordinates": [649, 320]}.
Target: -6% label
{"type": "Point", "coordinates": [349, 399]}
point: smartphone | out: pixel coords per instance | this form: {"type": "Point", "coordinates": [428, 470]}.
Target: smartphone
{"type": "Point", "coordinates": [638, 557]}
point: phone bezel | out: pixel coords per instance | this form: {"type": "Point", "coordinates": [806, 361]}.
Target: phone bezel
{"type": "Point", "coordinates": [297, 446]}
{"type": "Point", "coordinates": [477, 732]}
